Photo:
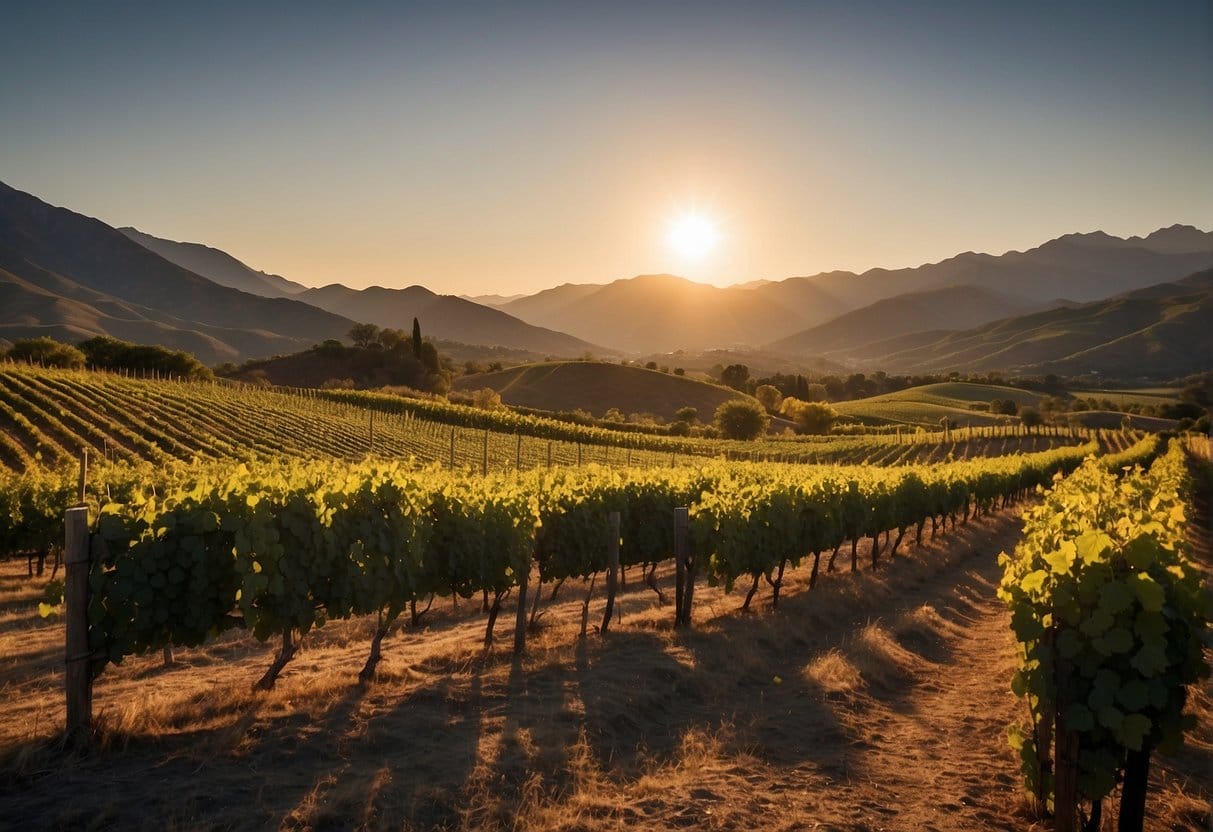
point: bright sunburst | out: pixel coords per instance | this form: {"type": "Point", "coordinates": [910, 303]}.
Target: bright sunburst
{"type": "Point", "coordinates": [693, 236]}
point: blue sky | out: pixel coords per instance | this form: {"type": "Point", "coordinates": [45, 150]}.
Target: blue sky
{"type": "Point", "coordinates": [509, 147]}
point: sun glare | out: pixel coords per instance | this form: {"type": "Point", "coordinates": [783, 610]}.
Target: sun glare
{"type": "Point", "coordinates": [693, 236]}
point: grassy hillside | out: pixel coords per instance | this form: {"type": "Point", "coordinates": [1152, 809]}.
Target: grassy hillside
{"type": "Point", "coordinates": [1158, 332]}
{"type": "Point", "coordinates": [954, 307]}
{"type": "Point", "coordinates": [928, 404]}
{"type": "Point", "coordinates": [597, 386]}
{"type": "Point", "coordinates": [962, 393]}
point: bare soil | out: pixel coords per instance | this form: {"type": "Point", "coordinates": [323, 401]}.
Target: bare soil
{"type": "Point", "coordinates": [877, 701]}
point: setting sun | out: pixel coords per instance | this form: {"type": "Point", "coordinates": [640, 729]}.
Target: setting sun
{"type": "Point", "coordinates": [693, 236]}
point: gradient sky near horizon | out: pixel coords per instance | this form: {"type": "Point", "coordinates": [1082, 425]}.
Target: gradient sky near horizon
{"type": "Point", "coordinates": [507, 147]}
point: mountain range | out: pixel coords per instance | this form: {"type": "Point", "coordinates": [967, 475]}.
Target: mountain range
{"type": "Point", "coordinates": [75, 277]}
{"type": "Point", "coordinates": [444, 316]}
{"type": "Point", "coordinates": [1161, 331]}
{"type": "Point", "coordinates": [1076, 303]}
{"type": "Point", "coordinates": [218, 266]}
{"type": "Point", "coordinates": [660, 313]}
{"type": "Point", "coordinates": [72, 277]}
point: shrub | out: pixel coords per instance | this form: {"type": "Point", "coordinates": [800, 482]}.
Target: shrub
{"type": "Point", "coordinates": [741, 419]}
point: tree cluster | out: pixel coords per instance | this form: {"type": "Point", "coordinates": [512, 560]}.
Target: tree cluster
{"type": "Point", "coordinates": [111, 354]}
{"type": "Point", "coordinates": [45, 351]}
{"type": "Point", "coordinates": [105, 353]}
{"type": "Point", "coordinates": [809, 417]}
{"type": "Point", "coordinates": [741, 419]}
{"type": "Point", "coordinates": [389, 356]}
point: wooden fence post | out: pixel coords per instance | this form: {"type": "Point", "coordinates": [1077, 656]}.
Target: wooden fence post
{"type": "Point", "coordinates": [1065, 758]}
{"type": "Point", "coordinates": [520, 619]}
{"type": "Point", "coordinates": [612, 568]}
{"type": "Point", "coordinates": [692, 568]}
{"type": "Point", "coordinates": [681, 524]}
{"type": "Point", "coordinates": [78, 676]}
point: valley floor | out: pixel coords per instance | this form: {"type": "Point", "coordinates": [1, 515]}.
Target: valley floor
{"type": "Point", "coordinates": [878, 701]}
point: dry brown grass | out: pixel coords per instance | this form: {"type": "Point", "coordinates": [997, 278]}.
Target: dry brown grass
{"type": "Point", "coordinates": [876, 701]}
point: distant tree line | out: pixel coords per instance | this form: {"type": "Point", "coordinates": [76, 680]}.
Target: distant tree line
{"type": "Point", "coordinates": [105, 353]}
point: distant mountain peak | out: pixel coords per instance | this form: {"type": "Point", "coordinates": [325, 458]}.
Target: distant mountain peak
{"type": "Point", "coordinates": [216, 265]}
{"type": "Point", "coordinates": [1088, 238]}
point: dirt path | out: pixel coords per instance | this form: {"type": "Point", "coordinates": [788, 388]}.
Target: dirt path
{"type": "Point", "coordinates": [890, 711]}
{"type": "Point", "coordinates": [934, 745]}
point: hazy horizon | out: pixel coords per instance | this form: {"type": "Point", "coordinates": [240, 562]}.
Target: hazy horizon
{"type": "Point", "coordinates": [739, 282]}
{"type": "Point", "coordinates": [503, 150]}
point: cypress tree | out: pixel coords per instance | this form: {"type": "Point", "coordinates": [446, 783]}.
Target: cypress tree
{"type": "Point", "coordinates": [416, 339]}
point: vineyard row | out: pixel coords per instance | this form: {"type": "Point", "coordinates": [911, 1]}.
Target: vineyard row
{"type": "Point", "coordinates": [284, 548]}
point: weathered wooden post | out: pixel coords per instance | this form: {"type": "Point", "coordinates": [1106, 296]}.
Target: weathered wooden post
{"type": "Point", "coordinates": [681, 527]}
{"type": "Point", "coordinates": [484, 463]}
{"type": "Point", "coordinates": [78, 676]}
{"type": "Point", "coordinates": [692, 567]}
{"type": "Point", "coordinates": [520, 618]}
{"type": "Point", "coordinates": [518, 452]}
{"type": "Point", "coordinates": [1065, 758]}
{"type": "Point", "coordinates": [452, 447]}
{"type": "Point", "coordinates": [612, 568]}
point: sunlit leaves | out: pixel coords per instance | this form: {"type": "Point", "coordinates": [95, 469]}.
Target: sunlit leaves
{"type": "Point", "coordinates": [1101, 569]}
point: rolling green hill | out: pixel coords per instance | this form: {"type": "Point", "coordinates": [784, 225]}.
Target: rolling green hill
{"type": "Point", "coordinates": [1161, 331]}
{"type": "Point", "coordinates": [928, 404]}
{"type": "Point", "coordinates": [597, 386]}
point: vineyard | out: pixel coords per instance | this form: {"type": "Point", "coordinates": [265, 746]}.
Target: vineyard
{"type": "Point", "coordinates": [215, 519]}
{"type": "Point", "coordinates": [47, 416]}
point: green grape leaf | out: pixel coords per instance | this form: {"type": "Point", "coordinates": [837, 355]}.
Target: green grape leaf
{"type": "Point", "coordinates": [1093, 546]}
{"type": "Point", "coordinates": [1141, 551]}
{"type": "Point", "coordinates": [1115, 597]}
{"type": "Point", "coordinates": [1134, 695]}
{"type": "Point", "coordinates": [1096, 623]}
{"type": "Point", "coordinates": [1103, 689]}
{"type": "Point", "coordinates": [1110, 717]}
{"type": "Point", "coordinates": [1034, 581]}
{"type": "Point", "coordinates": [1151, 660]}
{"type": "Point", "coordinates": [1019, 683]}
{"type": "Point", "coordinates": [1149, 592]}
{"type": "Point", "coordinates": [1150, 625]}
{"type": "Point", "coordinates": [1133, 731]}
{"type": "Point", "coordinates": [1115, 640]}
{"type": "Point", "coordinates": [1026, 625]}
